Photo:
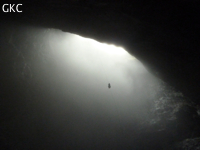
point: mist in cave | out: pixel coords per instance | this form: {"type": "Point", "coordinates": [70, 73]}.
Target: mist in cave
{"type": "Point", "coordinates": [69, 98]}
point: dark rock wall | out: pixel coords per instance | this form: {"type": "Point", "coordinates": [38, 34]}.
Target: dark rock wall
{"type": "Point", "coordinates": [163, 36]}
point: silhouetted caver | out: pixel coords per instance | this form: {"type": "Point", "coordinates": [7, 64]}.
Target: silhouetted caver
{"type": "Point", "coordinates": [109, 86]}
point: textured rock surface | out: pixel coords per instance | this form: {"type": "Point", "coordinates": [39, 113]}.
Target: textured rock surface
{"type": "Point", "coordinates": [164, 36]}
{"type": "Point", "coordinates": [193, 144]}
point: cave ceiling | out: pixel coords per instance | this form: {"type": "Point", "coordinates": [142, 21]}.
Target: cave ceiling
{"type": "Point", "coordinates": [164, 36]}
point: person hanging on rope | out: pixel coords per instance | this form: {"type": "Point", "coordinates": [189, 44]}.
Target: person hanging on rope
{"type": "Point", "coordinates": [109, 86]}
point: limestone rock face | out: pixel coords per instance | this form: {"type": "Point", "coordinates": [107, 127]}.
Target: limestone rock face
{"type": "Point", "coordinates": [164, 36]}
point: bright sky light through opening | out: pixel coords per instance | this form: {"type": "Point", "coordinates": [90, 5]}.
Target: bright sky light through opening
{"type": "Point", "coordinates": [83, 67]}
